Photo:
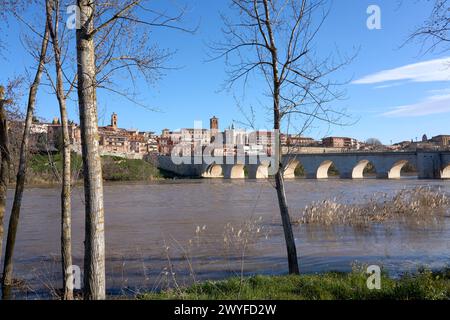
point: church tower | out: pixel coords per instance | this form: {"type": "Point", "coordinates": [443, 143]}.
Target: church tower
{"type": "Point", "coordinates": [214, 127]}
{"type": "Point", "coordinates": [214, 123]}
{"type": "Point", "coordinates": [114, 120]}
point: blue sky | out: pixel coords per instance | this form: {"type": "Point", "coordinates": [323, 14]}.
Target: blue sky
{"type": "Point", "coordinates": [396, 93]}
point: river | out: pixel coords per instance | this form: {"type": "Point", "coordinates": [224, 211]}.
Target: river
{"type": "Point", "coordinates": [174, 232]}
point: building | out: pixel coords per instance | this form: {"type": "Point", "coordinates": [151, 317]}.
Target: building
{"type": "Point", "coordinates": [214, 127]}
{"type": "Point", "coordinates": [340, 142]}
{"type": "Point", "coordinates": [152, 142]}
{"type": "Point", "coordinates": [231, 141]}
{"type": "Point", "coordinates": [47, 136]}
{"type": "Point", "coordinates": [186, 140]}
{"type": "Point", "coordinates": [290, 140]}
{"type": "Point", "coordinates": [441, 140]}
{"type": "Point", "coordinates": [122, 142]}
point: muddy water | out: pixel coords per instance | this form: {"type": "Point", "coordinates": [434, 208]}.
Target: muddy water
{"type": "Point", "coordinates": [171, 232]}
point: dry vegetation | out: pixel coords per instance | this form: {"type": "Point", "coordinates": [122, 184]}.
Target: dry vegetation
{"type": "Point", "coordinates": [420, 202]}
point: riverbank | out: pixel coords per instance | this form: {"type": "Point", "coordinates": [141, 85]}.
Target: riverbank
{"type": "Point", "coordinates": [424, 285]}
{"type": "Point", "coordinates": [46, 169]}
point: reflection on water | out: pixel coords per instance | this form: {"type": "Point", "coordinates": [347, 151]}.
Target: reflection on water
{"type": "Point", "coordinates": [182, 230]}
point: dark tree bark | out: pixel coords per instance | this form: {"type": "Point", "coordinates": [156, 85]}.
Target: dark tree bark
{"type": "Point", "coordinates": [21, 174]}
{"type": "Point", "coordinates": [5, 161]}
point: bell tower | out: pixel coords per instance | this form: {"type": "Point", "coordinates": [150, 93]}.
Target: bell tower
{"type": "Point", "coordinates": [214, 128]}
{"type": "Point", "coordinates": [214, 123]}
{"type": "Point", "coordinates": [114, 120]}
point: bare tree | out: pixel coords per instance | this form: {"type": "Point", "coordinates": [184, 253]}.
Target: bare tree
{"type": "Point", "coordinates": [435, 32]}
{"type": "Point", "coordinates": [5, 160]}
{"type": "Point", "coordinates": [273, 39]}
{"type": "Point", "coordinates": [10, 7]}
{"type": "Point", "coordinates": [374, 142]}
{"type": "Point", "coordinates": [66, 242]}
{"type": "Point", "coordinates": [20, 181]}
{"type": "Point", "coordinates": [8, 111]}
{"type": "Point", "coordinates": [106, 44]}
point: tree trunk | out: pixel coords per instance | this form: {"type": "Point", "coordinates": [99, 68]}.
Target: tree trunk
{"type": "Point", "coordinates": [94, 244]}
{"type": "Point", "coordinates": [66, 225]}
{"type": "Point", "coordinates": [4, 166]}
{"type": "Point", "coordinates": [20, 180]}
{"type": "Point", "coordinates": [281, 194]}
{"type": "Point", "coordinates": [282, 202]}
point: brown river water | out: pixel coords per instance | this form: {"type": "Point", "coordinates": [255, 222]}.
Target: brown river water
{"type": "Point", "coordinates": [174, 232]}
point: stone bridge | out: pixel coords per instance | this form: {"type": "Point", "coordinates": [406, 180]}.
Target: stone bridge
{"type": "Point", "coordinates": [351, 165]}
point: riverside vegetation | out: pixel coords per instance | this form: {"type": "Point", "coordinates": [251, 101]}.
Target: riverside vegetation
{"type": "Point", "coordinates": [418, 204]}
{"type": "Point", "coordinates": [327, 286]}
{"type": "Point", "coordinates": [46, 169]}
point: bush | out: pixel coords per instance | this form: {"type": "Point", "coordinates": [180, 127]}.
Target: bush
{"type": "Point", "coordinates": [120, 169]}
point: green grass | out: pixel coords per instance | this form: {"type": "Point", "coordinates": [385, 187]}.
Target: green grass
{"type": "Point", "coordinates": [328, 286]}
{"type": "Point", "coordinates": [42, 163]}
{"type": "Point", "coordinates": [120, 169]}
{"type": "Point", "coordinates": [43, 168]}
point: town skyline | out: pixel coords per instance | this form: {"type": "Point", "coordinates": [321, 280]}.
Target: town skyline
{"type": "Point", "coordinates": [204, 125]}
{"type": "Point", "coordinates": [135, 144]}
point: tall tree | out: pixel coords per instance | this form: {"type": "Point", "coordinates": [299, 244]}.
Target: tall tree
{"type": "Point", "coordinates": [21, 174]}
{"type": "Point", "coordinates": [66, 242]}
{"type": "Point", "coordinates": [107, 44]}
{"type": "Point", "coordinates": [5, 160]}
{"type": "Point", "coordinates": [94, 254]}
{"type": "Point", "coordinates": [8, 112]}
{"type": "Point", "coordinates": [274, 39]}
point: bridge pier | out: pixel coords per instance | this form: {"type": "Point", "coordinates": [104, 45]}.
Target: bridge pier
{"type": "Point", "coordinates": [429, 165]}
{"type": "Point", "coordinates": [348, 175]}
{"type": "Point", "coordinates": [382, 175]}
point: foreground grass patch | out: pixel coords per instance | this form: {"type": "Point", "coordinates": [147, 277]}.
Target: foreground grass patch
{"type": "Point", "coordinates": [328, 286]}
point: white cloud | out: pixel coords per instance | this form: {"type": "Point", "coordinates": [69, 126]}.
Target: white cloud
{"type": "Point", "coordinates": [389, 85]}
{"type": "Point", "coordinates": [427, 71]}
{"type": "Point", "coordinates": [435, 104]}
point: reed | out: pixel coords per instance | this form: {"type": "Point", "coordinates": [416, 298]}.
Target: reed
{"type": "Point", "coordinates": [420, 202]}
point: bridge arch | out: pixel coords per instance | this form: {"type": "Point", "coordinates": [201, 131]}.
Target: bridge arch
{"type": "Point", "coordinates": [446, 172]}
{"type": "Point", "coordinates": [396, 169]}
{"type": "Point", "coordinates": [359, 170]}
{"type": "Point", "coordinates": [214, 171]}
{"type": "Point", "coordinates": [289, 169]}
{"type": "Point", "coordinates": [237, 172]}
{"type": "Point", "coordinates": [260, 171]}
{"type": "Point", "coordinates": [323, 169]}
